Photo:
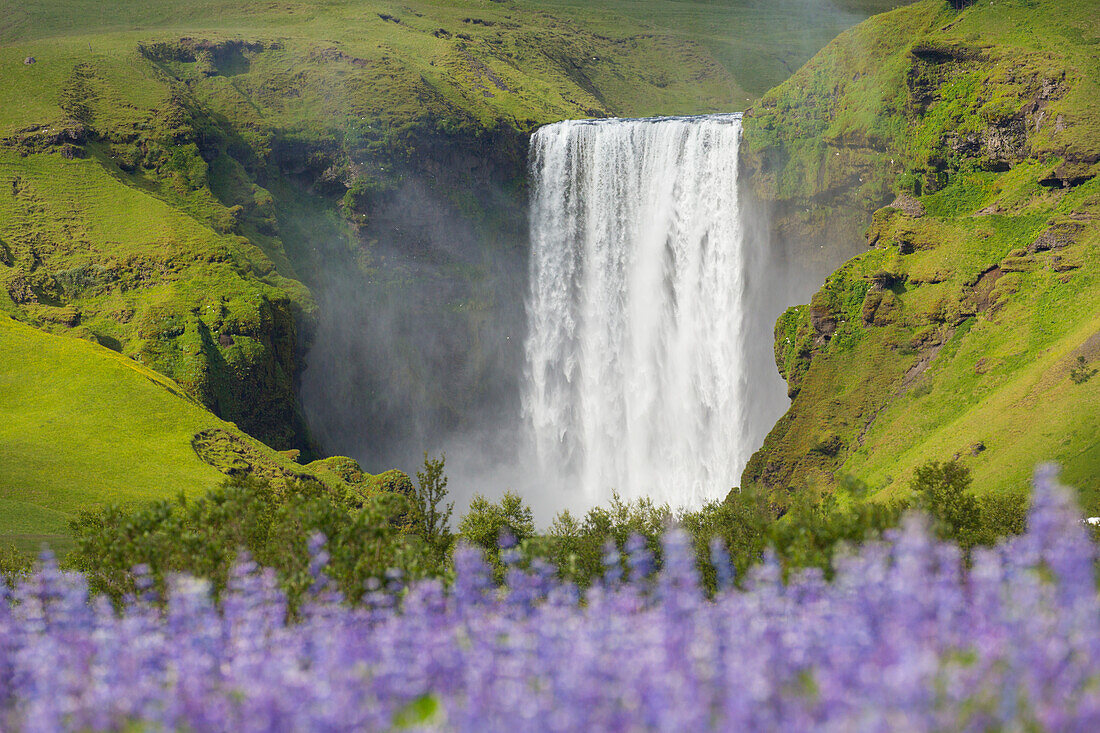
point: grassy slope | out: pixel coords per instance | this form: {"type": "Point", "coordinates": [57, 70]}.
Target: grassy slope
{"type": "Point", "coordinates": [651, 57]}
{"type": "Point", "coordinates": [81, 426]}
{"type": "Point", "coordinates": [909, 353]}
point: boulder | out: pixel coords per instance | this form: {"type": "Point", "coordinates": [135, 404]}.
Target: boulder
{"type": "Point", "coordinates": [909, 206]}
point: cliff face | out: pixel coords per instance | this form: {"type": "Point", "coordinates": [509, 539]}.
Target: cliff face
{"type": "Point", "coordinates": [112, 232]}
{"type": "Point", "coordinates": [959, 151]}
{"type": "Point", "coordinates": [421, 292]}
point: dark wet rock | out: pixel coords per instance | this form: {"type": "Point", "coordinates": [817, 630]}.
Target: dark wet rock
{"type": "Point", "coordinates": [880, 308]}
{"type": "Point", "coordinates": [885, 279]}
{"type": "Point", "coordinates": [998, 146]}
{"type": "Point", "coordinates": [1056, 237]}
{"type": "Point", "coordinates": [1070, 173]}
{"type": "Point", "coordinates": [823, 321]}
{"type": "Point", "coordinates": [1060, 264]}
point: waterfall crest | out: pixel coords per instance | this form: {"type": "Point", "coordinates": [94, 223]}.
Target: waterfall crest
{"type": "Point", "coordinates": [635, 361]}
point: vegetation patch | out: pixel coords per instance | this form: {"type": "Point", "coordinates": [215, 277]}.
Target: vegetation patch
{"type": "Point", "coordinates": [979, 278]}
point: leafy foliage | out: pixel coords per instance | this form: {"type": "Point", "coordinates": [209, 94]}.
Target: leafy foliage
{"type": "Point", "coordinates": [430, 516]}
{"type": "Point", "coordinates": [1082, 373]}
{"type": "Point", "coordinates": [742, 524]}
{"type": "Point", "coordinates": [366, 534]}
{"type": "Point", "coordinates": [205, 537]}
{"type": "Point", "coordinates": [816, 528]}
{"type": "Point", "coordinates": [584, 549]}
{"type": "Point", "coordinates": [942, 490]}
{"type": "Point", "coordinates": [488, 525]}
{"type": "Point", "coordinates": [14, 564]}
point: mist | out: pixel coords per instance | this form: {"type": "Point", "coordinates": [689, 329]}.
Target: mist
{"type": "Point", "coordinates": [419, 341]}
{"type": "Point", "coordinates": [422, 321]}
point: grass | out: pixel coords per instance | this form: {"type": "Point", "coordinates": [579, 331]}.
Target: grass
{"type": "Point", "coordinates": [81, 426]}
{"type": "Point", "coordinates": [974, 363]}
{"type": "Point", "coordinates": [552, 58]}
{"type": "Point", "coordinates": [1005, 384]}
{"type": "Point", "coordinates": [122, 260]}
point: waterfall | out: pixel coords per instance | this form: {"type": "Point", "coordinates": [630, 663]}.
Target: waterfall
{"type": "Point", "coordinates": [635, 361]}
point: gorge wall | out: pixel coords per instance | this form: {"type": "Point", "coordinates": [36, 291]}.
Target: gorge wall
{"type": "Point", "coordinates": [960, 156]}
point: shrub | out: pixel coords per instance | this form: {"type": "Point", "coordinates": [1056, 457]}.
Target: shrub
{"type": "Point", "coordinates": [582, 550]}
{"type": "Point", "coordinates": [740, 524]}
{"type": "Point", "coordinates": [1082, 373]}
{"type": "Point", "coordinates": [942, 490]}
{"type": "Point", "coordinates": [816, 527]}
{"type": "Point", "coordinates": [273, 525]}
{"type": "Point", "coordinates": [486, 524]}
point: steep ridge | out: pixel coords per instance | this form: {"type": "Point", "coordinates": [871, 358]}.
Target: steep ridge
{"type": "Point", "coordinates": [970, 327]}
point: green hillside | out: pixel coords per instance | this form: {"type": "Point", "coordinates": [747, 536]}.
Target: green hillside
{"type": "Point", "coordinates": [970, 329]}
{"type": "Point", "coordinates": [81, 426]}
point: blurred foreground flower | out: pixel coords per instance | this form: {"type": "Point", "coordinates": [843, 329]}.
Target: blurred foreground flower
{"type": "Point", "coordinates": [903, 639]}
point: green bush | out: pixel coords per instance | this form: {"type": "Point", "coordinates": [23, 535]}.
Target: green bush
{"type": "Point", "coordinates": [14, 565]}
{"type": "Point", "coordinates": [275, 526]}
{"type": "Point", "coordinates": [578, 547]}
{"type": "Point", "coordinates": [367, 536]}
{"type": "Point", "coordinates": [942, 490]}
{"type": "Point", "coordinates": [487, 523]}
{"type": "Point", "coordinates": [815, 528]}
{"type": "Point", "coordinates": [741, 523]}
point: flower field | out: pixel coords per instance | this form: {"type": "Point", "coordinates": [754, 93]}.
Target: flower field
{"type": "Point", "coordinates": [902, 639]}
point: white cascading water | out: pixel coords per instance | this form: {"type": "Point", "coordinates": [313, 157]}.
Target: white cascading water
{"type": "Point", "coordinates": [635, 361]}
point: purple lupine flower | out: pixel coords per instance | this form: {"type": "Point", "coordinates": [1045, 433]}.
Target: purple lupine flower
{"type": "Point", "coordinates": [905, 637]}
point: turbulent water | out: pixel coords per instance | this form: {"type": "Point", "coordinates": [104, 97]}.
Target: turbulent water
{"type": "Point", "coordinates": [635, 374]}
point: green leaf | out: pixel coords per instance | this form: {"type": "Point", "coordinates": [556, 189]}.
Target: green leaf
{"type": "Point", "coordinates": [424, 710]}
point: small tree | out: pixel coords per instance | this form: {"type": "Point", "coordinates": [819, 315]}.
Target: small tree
{"type": "Point", "coordinates": [1082, 373]}
{"type": "Point", "coordinates": [942, 490]}
{"type": "Point", "coordinates": [486, 521]}
{"type": "Point", "coordinates": [431, 516]}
